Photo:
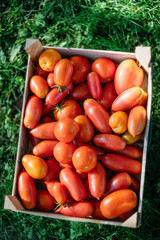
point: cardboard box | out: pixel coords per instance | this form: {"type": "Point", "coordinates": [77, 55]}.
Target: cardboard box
{"type": "Point", "coordinates": [34, 48]}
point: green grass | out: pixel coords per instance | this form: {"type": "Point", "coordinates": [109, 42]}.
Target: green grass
{"type": "Point", "coordinates": [111, 25]}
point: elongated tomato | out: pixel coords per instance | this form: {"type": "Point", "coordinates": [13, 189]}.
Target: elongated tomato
{"type": "Point", "coordinates": [108, 95]}
{"type": "Point", "coordinates": [58, 191]}
{"type": "Point", "coordinates": [45, 148]}
{"type": "Point", "coordinates": [80, 92]}
{"type": "Point", "coordinates": [38, 86]}
{"type": "Point", "coordinates": [45, 202]}
{"type": "Point", "coordinates": [53, 170]}
{"type": "Point", "coordinates": [94, 85]}
{"type": "Point", "coordinates": [130, 151]}
{"type": "Point", "coordinates": [44, 131]}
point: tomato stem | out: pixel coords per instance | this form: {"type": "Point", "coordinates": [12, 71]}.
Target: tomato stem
{"type": "Point", "coordinates": [60, 88]}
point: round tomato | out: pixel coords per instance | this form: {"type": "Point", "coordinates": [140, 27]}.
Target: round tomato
{"type": "Point", "coordinates": [53, 170]}
{"type": "Point", "coordinates": [45, 148]}
{"type": "Point", "coordinates": [39, 71]}
{"type": "Point", "coordinates": [50, 79]}
{"type": "Point", "coordinates": [80, 92]}
{"type": "Point", "coordinates": [118, 121]}
{"type": "Point", "coordinates": [45, 201]}
{"type": "Point", "coordinates": [108, 95]}
{"type": "Point", "coordinates": [48, 59]}
{"type": "Point", "coordinates": [63, 152]}
{"type": "Point", "coordinates": [94, 85]}
{"type": "Point", "coordinates": [58, 191]}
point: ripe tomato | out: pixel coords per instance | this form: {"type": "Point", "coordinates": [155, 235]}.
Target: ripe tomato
{"type": "Point", "coordinates": [67, 165]}
{"type": "Point", "coordinates": [96, 209]}
{"type": "Point", "coordinates": [135, 185]}
{"type": "Point", "coordinates": [83, 175]}
{"type": "Point", "coordinates": [126, 215]}
{"type": "Point", "coordinates": [44, 131]}
{"type": "Point", "coordinates": [26, 190]}
{"type": "Point", "coordinates": [46, 120]}
{"type": "Point", "coordinates": [45, 201]}
{"type": "Point", "coordinates": [33, 139]}
{"type": "Point", "coordinates": [33, 112]}
{"type": "Point", "coordinates": [45, 148]}
{"type": "Point", "coordinates": [39, 71]}
{"type": "Point", "coordinates": [98, 115]}
{"type": "Point", "coordinates": [73, 184]}
{"type": "Point", "coordinates": [129, 139]}
{"type": "Point", "coordinates": [68, 108]}
{"type": "Point", "coordinates": [105, 68]}
{"type": "Point", "coordinates": [46, 108]}
{"type": "Point", "coordinates": [63, 152]}
{"type": "Point", "coordinates": [84, 159]}
{"type": "Point", "coordinates": [86, 185]}
{"type": "Point", "coordinates": [81, 92]}
{"type": "Point", "coordinates": [81, 67]}
{"type": "Point", "coordinates": [58, 191]}
{"type": "Point", "coordinates": [63, 72]}
{"type": "Point", "coordinates": [50, 79]}
{"type": "Point", "coordinates": [108, 95]}
{"type": "Point", "coordinates": [48, 59]}
{"type": "Point", "coordinates": [38, 86]}
{"type": "Point", "coordinates": [66, 129]}
{"type": "Point", "coordinates": [53, 170]}
{"type": "Point", "coordinates": [99, 151]}
{"type": "Point", "coordinates": [86, 131]}
{"type": "Point", "coordinates": [94, 85]}
{"type": "Point", "coordinates": [143, 100]}
{"type": "Point", "coordinates": [118, 202]}
{"type": "Point", "coordinates": [118, 121]}
{"type": "Point", "coordinates": [130, 151]}
{"type": "Point", "coordinates": [128, 74]}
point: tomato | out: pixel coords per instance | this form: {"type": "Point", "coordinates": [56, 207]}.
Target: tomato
{"type": "Point", "coordinates": [48, 59]}
{"type": "Point", "coordinates": [53, 170]}
{"type": "Point", "coordinates": [67, 165]}
{"type": "Point", "coordinates": [97, 180]}
{"type": "Point", "coordinates": [38, 86]}
{"type": "Point", "coordinates": [46, 120]}
{"type": "Point", "coordinates": [126, 215]}
{"type": "Point", "coordinates": [81, 67]}
{"type": "Point", "coordinates": [118, 121]}
{"type": "Point", "coordinates": [143, 100]}
{"type": "Point", "coordinates": [73, 184]}
{"type": "Point", "coordinates": [86, 131]}
{"type": "Point", "coordinates": [96, 209]}
{"type": "Point", "coordinates": [63, 152]}
{"type": "Point", "coordinates": [63, 72]}
{"type": "Point", "coordinates": [105, 68]}
{"type": "Point", "coordinates": [129, 139]}
{"type": "Point", "coordinates": [35, 166]}
{"type": "Point", "coordinates": [98, 115]}
{"type": "Point", "coordinates": [33, 112]}
{"type": "Point", "coordinates": [44, 131]}
{"type": "Point", "coordinates": [46, 108]}
{"type": "Point", "coordinates": [84, 159]}
{"type": "Point", "coordinates": [130, 151]}
{"type": "Point", "coordinates": [108, 95]}
{"type": "Point", "coordinates": [135, 185]}
{"type": "Point", "coordinates": [45, 148]}
{"type": "Point", "coordinates": [83, 175]}
{"type": "Point", "coordinates": [128, 74]}
{"type": "Point", "coordinates": [26, 190]}
{"type": "Point", "coordinates": [137, 120]}
{"type": "Point", "coordinates": [45, 201]}
{"type": "Point", "coordinates": [94, 85]}
{"type": "Point", "coordinates": [118, 202]}
{"type": "Point", "coordinates": [39, 71]}
{"type": "Point", "coordinates": [33, 139]}
{"type": "Point", "coordinates": [50, 79]}
{"type": "Point", "coordinates": [99, 151]}
{"type": "Point", "coordinates": [86, 185]}
{"type": "Point", "coordinates": [77, 209]}
{"type": "Point", "coordinates": [121, 163]}
{"type": "Point", "coordinates": [68, 108]}
{"type": "Point", "coordinates": [58, 191]}
{"type": "Point", "coordinates": [109, 141]}
{"type": "Point", "coordinates": [66, 129]}
{"type": "Point", "coordinates": [81, 92]}
{"type": "Point", "coordinates": [57, 94]}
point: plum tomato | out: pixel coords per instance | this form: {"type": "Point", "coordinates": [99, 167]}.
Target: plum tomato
{"type": "Point", "coordinates": [38, 86]}
{"type": "Point", "coordinates": [45, 202]}
{"type": "Point", "coordinates": [94, 85]}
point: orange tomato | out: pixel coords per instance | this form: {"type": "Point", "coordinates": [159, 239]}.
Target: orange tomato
{"type": "Point", "coordinates": [63, 152]}
{"type": "Point", "coordinates": [48, 59]}
{"type": "Point", "coordinates": [96, 209]}
{"type": "Point", "coordinates": [45, 148]}
{"type": "Point", "coordinates": [45, 202]}
{"type": "Point", "coordinates": [118, 122]}
{"type": "Point", "coordinates": [129, 139]}
{"type": "Point", "coordinates": [44, 131]}
{"type": "Point", "coordinates": [38, 86]}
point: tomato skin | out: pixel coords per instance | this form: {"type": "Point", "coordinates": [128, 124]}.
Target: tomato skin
{"type": "Point", "coordinates": [45, 148]}
{"type": "Point", "coordinates": [81, 67]}
{"type": "Point", "coordinates": [128, 75]}
{"type": "Point", "coordinates": [86, 131]}
{"type": "Point", "coordinates": [45, 202]}
{"type": "Point", "coordinates": [137, 120]}
{"type": "Point", "coordinates": [82, 175]}
{"type": "Point", "coordinates": [48, 59]}
{"type": "Point", "coordinates": [105, 68]}
{"type": "Point", "coordinates": [81, 92]}
{"type": "Point", "coordinates": [117, 203]}
{"type": "Point", "coordinates": [33, 112]}
{"type": "Point", "coordinates": [126, 215]}
{"type": "Point", "coordinates": [77, 209]}
{"type": "Point", "coordinates": [26, 190]}
{"type": "Point", "coordinates": [44, 131]}
{"type": "Point", "coordinates": [38, 86]}
{"type": "Point", "coordinates": [109, 141]}
{"type": "Point", "coordinates": [97, 180]}
{"type": "Point", "coordinates": [63, 152]}
{"type": "Point", "coordinates": [33, 139]}
{"type": "Point", "coordinates": [73, 184]}
{"type": "Point", "coordinates": [118, 121]}
{"type": "Point", "coordinates": [99, 151]}
{"type": "Point", "coordinates": [53, 170]}
{"type": "Point", "coordinates": [67, 165]}
{"type": "Point", "coordinates": [98, 115]}
{"type": "Point", "coordinates": [120, 163]}
{"type": "Point", "coordinates": [108, 95]}
{"type": "Point", "coordinates": [68, 108]}
{"type": "Point", "coordinates": [46, 120]}
{"type": "Point", "coordinates": [66, 129]}
{"type": "Point", "coordinates": [35, 166]}
{"type": "Point", "coordinates": [94, 85]}
{"type": "Point", "coordinates": [88, 193]}
{"type": "Point", "coordinates": [39, 71]}
{"type": "Point", "coordinates": [130, 151]}
{"type": "Point", "coordinates": [129, 139]}
{"type": "Point", "coordinates": [46, 108]}
{"type": "Point", "coordinates": [63, 72]}
{"type": "Point", "coordinates": [58, 191]}
{"type": "Point", "coordinates": [50, 79]}
{"type": "Point", "coordinates": [96, 209]}
{"type": "Point", "coordinates": [55, 95]}
{"type": "Point", "coordinates": [135, 185]}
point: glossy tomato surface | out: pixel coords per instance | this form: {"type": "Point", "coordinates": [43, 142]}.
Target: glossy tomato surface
{"type": "Point", "coordinates": [44, 148]}
{"type": "Point", "coordinates": [94, 85]}
{"type": "Point", "coordinates": [63, 152]}
{"type": "Point", "coordinates": [58, 191]}
{"type": "Point", "coordinates": [81, 92]}
{"type": "Point", "coordinates": [118, 121]}
{"type": "Point", "coordinates": [44, 131]}
{"type": "Point", "coordinates": [53, 170]}
{"type": "Point", "coordinates": [45, 202]}
{"type": "Point", "coordinates": [48, 59]}
{"type": "Point", "coordinates": [108, 95]}
{"type": "Point", "coordinates": [38, 86]}
{"type": "Point", "coordinates": [39, 71]}
{"type": "Point", "coordinates": [50, 79]}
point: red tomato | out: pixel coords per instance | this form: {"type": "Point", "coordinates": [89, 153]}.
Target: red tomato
{"type": "Point", "coordinates": [53, 170]}
{"type": "Point", "coordinates": [86, 185]}
{"type": "Point", "coordinates": [98, 115]}
{"type": "Point", "coordinates": [33, 139]}
{"type": "Point", "coordinates": [66, 129]}
{"type": "Point", "coordinates": [96, 209]}
{"type": "Point", "coordinates": [67, 165]}
{"type": "Point", "coordinates": [44, 131]}
{"type": "Point", "coordinates": [99, 151]}
{"type": "Point", "coordinates": [68, 108]}
{"type": "Point", "coordinates": [97, 180]}
{"type": "Point", "coordinates": [45, 148]}
{"type": "Point", "coordinates": [46, 120]}
{"type": "Point", "coordinates": [46, 108]}
{"type": "Point", "coordinates": [109, 141]}
{"type": "Point", "coordinates": [108, 95]}
{"type": "Point", "coordinates": [77, 209]}
{"type": "Point", "coordinates": [135, 185]}
{"type": "Point", "coordinates": [48, 59]}
{"type": "Point", "coordinates": [26, 190]}
{"type": "Point", "coordinates": [86, 131]}
{"type": "Point", "coordinates": [63, 152]}
{"type": "Point", "coordinates": [126, 215]}
{"type": "Point", "coordinates": [94, 85]}
{"type": "Point", "coordinates": [50, 79]}
{"type": "Point", "coordinates": [128, 74]}
{"type": "Point", "coordinates": [58, 191]}
{"type": "Point", "coordinates": [33, 112]}
{"type": "Point", "coordinates": [81, 67]}
{"type": "Point", "coordinates": [81, 92]}
{"type": "Point", "coordinates": [73, 184]}
{"type": "Point", "coordinates": [39, 71]}
{"type": "Point", "coordinates": [105, 68]}
{"type": "Point", "coordinates": [130, 151]}
{"type": "Point", "coordinates": [38, 86]}
{"type": "Point", "coordinates": [117, 203]}
{"type": "Point", "coordinates": [121, 163]}
{"type": "Point", "coordinates": [45, 201]}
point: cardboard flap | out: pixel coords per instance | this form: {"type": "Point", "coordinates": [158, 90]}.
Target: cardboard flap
{"type": "Point", "coordinates": [12, 203]}
{"type": "Point", "coordinates": [131, 221]}
{"type": "Point", "coordinates": [143, 55]}
{"type": "Point", "coordinates": [34, 48]}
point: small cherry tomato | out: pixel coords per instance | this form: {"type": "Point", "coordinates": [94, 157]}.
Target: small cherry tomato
{"type": "Point", "coordinates": [48, 59]}
{"type": "Point", "coordinates": [81, 92]}
{"type": "Point", "coordinates": [58, 191]}
{"type": "Point", "coordinates": [108, 95]}
{"type": "Point", "coordinates": [44, 131]}
{"type": "Point", "coordinates": [39, 71]}
{"type": "Point", "coordinates": [45, 148]}
{"type": "Point", "coordinates": [53, 170]}
{"type": "Point", "coordinates": [129, 139]}
{"type": "Point", "coordinates": [63, 152]}
{"type": "Point", "coordinates": [94, 85]}
{"type": "Point", "coordinates": [50, 79]}
{"type": "Point", "coordinates": [118, 121]}
{"type": "Point", "coordinates": [38, 86]}
{"type": "Point", "coordinates": [45, 201]}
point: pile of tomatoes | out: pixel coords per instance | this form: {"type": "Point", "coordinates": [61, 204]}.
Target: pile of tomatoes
{"type": "Point", "coordinates": [83, 119]}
